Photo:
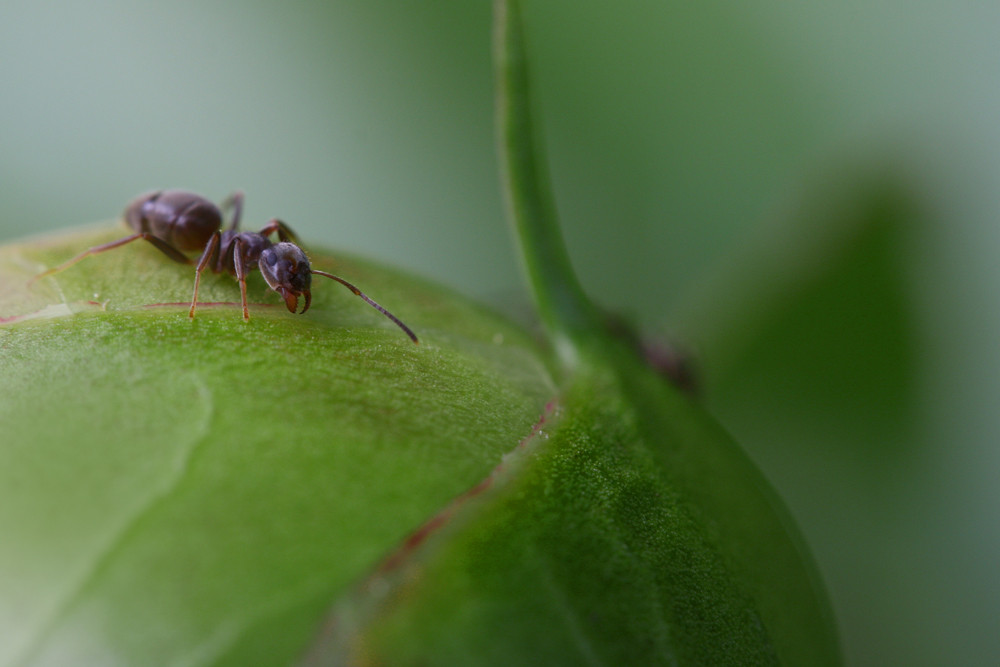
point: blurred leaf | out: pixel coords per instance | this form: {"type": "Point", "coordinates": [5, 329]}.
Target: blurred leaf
{"type": "Point", "coordinates": [811, 348]}
{"type": "Point", "coordinates": [814, 320]}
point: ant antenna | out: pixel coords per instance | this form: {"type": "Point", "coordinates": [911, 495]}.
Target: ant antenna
{"type": "Point", "coordinates": [371, 303]}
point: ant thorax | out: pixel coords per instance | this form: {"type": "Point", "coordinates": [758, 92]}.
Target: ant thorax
{"type": "Point", "coordinates": [251, 247]}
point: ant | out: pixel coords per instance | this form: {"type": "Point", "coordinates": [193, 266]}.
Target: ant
{"type": "Point", "coordinates": [178, 222]}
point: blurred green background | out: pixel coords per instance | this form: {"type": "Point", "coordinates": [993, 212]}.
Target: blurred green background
{"type": "Point", "coordinates": [804, 194]}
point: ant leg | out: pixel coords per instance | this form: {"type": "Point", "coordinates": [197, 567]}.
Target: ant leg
{"type": "Point", "coordinates": [167, 249]}
{"type": "Point", "coordinates": [206, 257]}
{"type": "Point", "coordinates": [241, 275]}
{"type": "Point", "coordinates": [235, 201]}
{"type": "Point", "coordinates": [161, 245]}
{"type": "Point", "coordinates": [285, 232]}
{"type": "Point", "coordinates": [87, 253]}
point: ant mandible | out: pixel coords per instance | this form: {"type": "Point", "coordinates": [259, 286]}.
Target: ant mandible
{"type": "Point", "coordinates": [178, 222]}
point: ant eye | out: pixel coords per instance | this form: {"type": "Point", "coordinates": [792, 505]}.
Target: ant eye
{"type": "Point", "coordinates": [270, 258]}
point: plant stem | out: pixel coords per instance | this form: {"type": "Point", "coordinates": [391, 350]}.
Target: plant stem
{"type": "Point", "coordinates": [566, 311]}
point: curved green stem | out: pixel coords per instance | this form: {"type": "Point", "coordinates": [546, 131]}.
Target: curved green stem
{"type": "Point", "coordinates": [568, 314]}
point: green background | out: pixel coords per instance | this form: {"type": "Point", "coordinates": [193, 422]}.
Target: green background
{"type": "Point", "coordinates": [804, 194]}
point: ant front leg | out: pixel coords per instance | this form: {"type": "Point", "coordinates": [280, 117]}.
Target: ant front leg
{"type": "Point", "coordinates": [285, 232]}
{"type": "Point", "coordinates": [234, 201]}
{"type": "Point", "coordinates": [206, 257]}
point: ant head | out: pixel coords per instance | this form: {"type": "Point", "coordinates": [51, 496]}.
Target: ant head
{"type": "Point", "coordinates": [286, 269]}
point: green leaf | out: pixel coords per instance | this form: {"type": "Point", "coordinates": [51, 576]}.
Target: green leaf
{"type": "Point", "coordinates": [169, 488]}
{"type": "Point", "coordinates": [204, 492]}
{"type": "Point", "coordinates": [628, 529]}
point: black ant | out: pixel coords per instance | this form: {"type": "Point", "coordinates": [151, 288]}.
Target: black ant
{"type": "Point", "coordinates": [178, 222]}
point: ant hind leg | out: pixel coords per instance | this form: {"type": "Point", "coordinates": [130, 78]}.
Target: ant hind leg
{"type": "Point", "coordinates": [87, 253]}
{"type": "Point", "coordinates": [161, 245]}
{"type": "Point", "coordinates": [167, 249]}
